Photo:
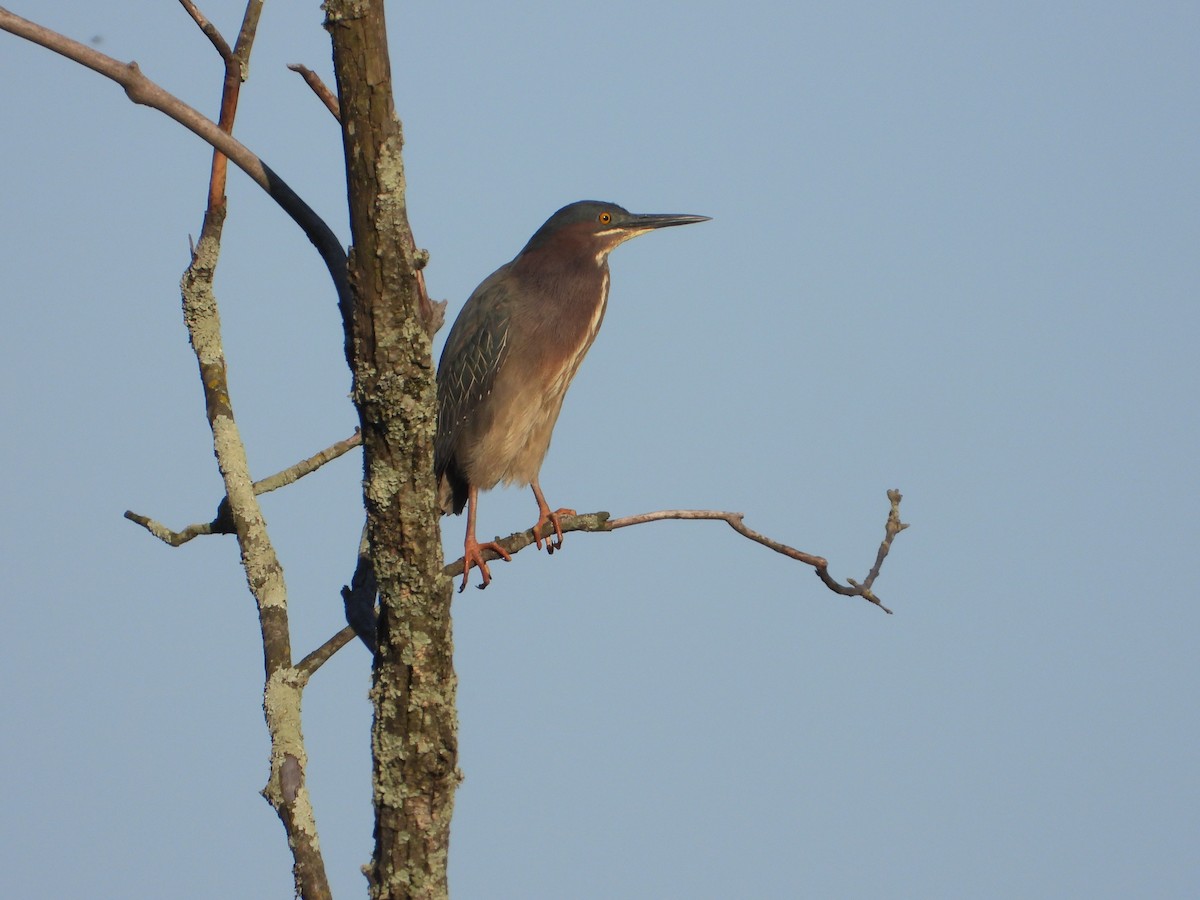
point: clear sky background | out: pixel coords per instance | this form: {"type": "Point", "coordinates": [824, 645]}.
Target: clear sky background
{"type": "Point", "coordinates": [955, 250]}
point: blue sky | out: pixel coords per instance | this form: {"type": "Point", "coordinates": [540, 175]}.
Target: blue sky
{"type": "Point", "coordinates": [953, 251]}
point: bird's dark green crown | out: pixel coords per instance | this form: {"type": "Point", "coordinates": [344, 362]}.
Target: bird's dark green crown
{"type": "Point", "coordinates": [607, 223]}
{"type": "Point", "coordinates": [582, 211]}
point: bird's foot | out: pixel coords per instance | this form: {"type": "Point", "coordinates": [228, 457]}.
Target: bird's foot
{"type": "Point", "coordinates": [473, 556]}
{"type": "Point", "coordinates": [552, 518]}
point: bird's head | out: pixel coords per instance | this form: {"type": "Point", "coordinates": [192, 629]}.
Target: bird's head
{"type": "Point", "coordinates": [596, 228]}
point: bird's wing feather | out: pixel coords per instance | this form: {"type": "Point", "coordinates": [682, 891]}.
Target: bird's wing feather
{"type": "Point", "coordinates": [474, 352]}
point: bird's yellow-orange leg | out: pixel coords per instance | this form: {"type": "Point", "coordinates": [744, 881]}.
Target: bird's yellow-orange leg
{"type": "Point", "coordinates": [544, 516]}
{"type": "Point", "coordinates": [473, 550]}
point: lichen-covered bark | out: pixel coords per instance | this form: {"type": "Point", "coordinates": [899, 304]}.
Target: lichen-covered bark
{"type": "Point", "coordinates": [285, 789]}
{"type": "Point", "coordinates": [415, 739]}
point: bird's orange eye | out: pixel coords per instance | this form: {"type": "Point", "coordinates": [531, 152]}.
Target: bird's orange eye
{"type": "Point", "coordinates": [605, 218]}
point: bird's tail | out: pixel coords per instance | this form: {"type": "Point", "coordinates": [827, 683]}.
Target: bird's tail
{"type": "Point", "coordinates": [452, 492]}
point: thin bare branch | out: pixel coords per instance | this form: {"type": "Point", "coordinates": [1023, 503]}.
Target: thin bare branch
{"type": "Point", "coordinates": [600, 521]}
{"type": "Point", "coordinates": [894, 527]}
{"type": "Point", "coordinates": [359, 598]}
{"type": "Point", "coordinates": [210, 30]}
{"type": "Point", "coordinates": [735, 521]}
{"type": "Point", "coordinates": [819, 564]}
{"type": "Point", "coordinates": [222, 524]}
{"type": "Point", "coordinates": [230, 90]}
{"type": "Point", "coordinates": [166, 535]}
{"type": "Point", "coordinates": [245, 38]}
{"type": "Point", "coordinates": [313, 80]}
{"type": "Point", "coordinates": [143, 91]}
{"type": "Point", "coordinates": [307, 666]}
{"type": "Point", "coordinates": [433, 312]}
{"type": "Point", "coordinates": [308, 466]}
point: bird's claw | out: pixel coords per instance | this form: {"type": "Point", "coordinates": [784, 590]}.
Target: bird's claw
{"type": "Point", "coordinates": [553, 518]}
{"type": "Point", "coordinates": [473, 556]}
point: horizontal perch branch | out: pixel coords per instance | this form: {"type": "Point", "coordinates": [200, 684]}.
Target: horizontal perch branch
{"type": "Point", "coordinates": [360, 597]}
{"type": "Point", "coordinates": [600, 521]}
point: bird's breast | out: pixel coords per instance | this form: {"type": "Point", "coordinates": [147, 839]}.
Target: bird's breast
{"type": "Point", "coordinates": [530, 388]}
{"type": "Point", "coordinates": [580, 343]}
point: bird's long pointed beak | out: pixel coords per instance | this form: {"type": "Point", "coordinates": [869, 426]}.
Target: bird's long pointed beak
{"type": "Point", "coordinates": [647, 221]}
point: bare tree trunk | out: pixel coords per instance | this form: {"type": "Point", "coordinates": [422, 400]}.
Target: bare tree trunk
{"type": "Point", "coordinates": [415, 738]}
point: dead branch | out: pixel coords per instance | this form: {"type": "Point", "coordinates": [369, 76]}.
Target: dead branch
{"type": "Point", "coordinates": [285, 789]}
{"type": "Point", "coordinates": [177, 538]}
{"type": "Point", "coordinates": [819, 564]}
{"type": "Point", "coordinates": [360, 597]}
{"type": "Point", "coordinates": [313, 80]}
{"type": "Point", "coordinates": [230, 90]}
{"type": "Point", "coordinates": [307, 666]}
{"type": "Point", "coordinates": [433, 312]}
{"type": "Point", "coordinates": [221, 523]}
{"type": "Point", "coordinates": [307, 466]}
{"type": "Point", "coordinates": [600, 521]}
{"type": "Point", "coordinates": [210, 30]}
{"type": "Point", "coordinates": [143, 91]}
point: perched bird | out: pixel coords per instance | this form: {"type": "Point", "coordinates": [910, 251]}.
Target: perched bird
{"type": "Point", "coordinates": [511, 356]}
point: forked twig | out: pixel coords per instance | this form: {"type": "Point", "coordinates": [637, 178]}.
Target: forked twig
{"type": "Point", "coordinates": [221, 523]}
{"type": "Point", "coordinates": [819, 564]}
{"type": "Point", "coordinates": [360, 597]}
{"type": "Point", "coordinates": [600, 521]}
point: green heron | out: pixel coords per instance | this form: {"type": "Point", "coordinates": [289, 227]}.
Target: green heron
{"type": "Point", "coordinates": [511, 356]}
